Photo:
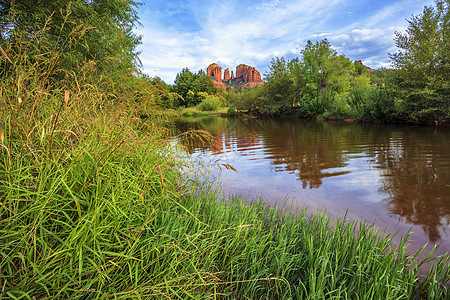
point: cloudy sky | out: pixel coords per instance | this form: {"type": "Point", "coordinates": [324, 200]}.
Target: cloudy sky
{"type": "Point", "coordinates": [196, 33]}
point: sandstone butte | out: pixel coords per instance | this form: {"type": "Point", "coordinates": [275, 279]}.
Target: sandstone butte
{"type": "Point", "coordinates": [367, 68]}
{"type": "Point", "coordinates": [246, 76]}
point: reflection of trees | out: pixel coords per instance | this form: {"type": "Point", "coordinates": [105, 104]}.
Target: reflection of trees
{"type": "Point", "coordinates": [416, 174]}
{"type": "Point", "coordinates": [304, 148]}
{"type": "Point", "coordinates": [214, 125]}
{"type": "Point", "coordinates": [307, 149]}
{"type": "Point", "coordinates": [414, 162]}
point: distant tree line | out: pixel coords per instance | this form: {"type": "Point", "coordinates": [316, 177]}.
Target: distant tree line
{"type": "Point", "coordinates": [322, 83]}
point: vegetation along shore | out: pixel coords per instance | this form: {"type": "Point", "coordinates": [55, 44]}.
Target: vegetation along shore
{"type": "Point", "coordinates": [96, 202]}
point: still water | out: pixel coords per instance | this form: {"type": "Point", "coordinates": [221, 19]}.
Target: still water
{"type": "Point", "coordinates": [395, 177]}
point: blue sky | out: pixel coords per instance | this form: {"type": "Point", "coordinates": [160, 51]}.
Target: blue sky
{"type": "Point", "coordinates": [196, 33]}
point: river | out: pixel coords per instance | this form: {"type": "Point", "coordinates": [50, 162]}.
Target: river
{"type": "Point", "coordinates": [395, 177]}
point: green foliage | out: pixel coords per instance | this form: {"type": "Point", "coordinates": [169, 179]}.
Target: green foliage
{"type": "Point", "coordinates": [371, 104]}
{"type": "Point", "coordinates": [210, 103]}
{"type": "Point", "coordinates": [340, 108]}
{"type": "Point", "coordinates": [359, 68]}
{"type": "Point", "coordinates": [324, 70]}
{"type": "Point", "coordinates": [103, 29]}
{"type": "Point", "coordinates": [278, 89]}
{"type": "Point", "coordinates": [232, 112]}
{"type": "Point", "coordinates": [360, 81]}
{"type": "Point", "coordinates": [316, 106]}
{"type": "Point", "coordinates": [193, 88]}
{"type": "Point", "coordinates": [201, 96]}
{"type": "Point", "coordinates": [247, 99]}
{"type": "Point", "coordinates": [422, 78]}
{"type": "Point", "coordinates": [307, 85]}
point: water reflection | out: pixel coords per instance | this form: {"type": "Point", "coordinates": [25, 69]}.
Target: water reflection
{"type": "Point", "coordinates": [396, 176]}
{"type": "Point", "coordinates": [415, 168]}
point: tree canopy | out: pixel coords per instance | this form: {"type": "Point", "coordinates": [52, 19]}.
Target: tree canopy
{"type": "Point", "coordinates": [193, 87]}
{"type": "Point", "coordinates": [93, 30]}
{"type": "Point", "coordinates": [310, 81]}
{"type": "Point", "coordinates": [422, 63]}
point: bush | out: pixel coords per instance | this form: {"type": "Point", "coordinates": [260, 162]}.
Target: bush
{"type": "Point", "coordinates": [340, 107]}
{"type": "Point", "coordinates": [232, 111]}
{"type": "Point", "coordinates": [318, 105]}
{"type": "Point", "coordinates": [371, 104]}
{"type": "Point", "coordinates": [210, 103]}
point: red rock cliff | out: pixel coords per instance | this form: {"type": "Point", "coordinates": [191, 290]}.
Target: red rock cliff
{"type": "Point", "coordinates": [250, 76]}
{"type": "Point", "coordinates": [226, 74]}
{"type": "Point", "coordinates": [215, 71]}
{"type": "Point", "coordinates": [245, 76]}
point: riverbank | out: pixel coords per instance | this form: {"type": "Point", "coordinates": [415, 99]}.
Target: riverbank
{"type": "Point", "coordinates": [296, 114]}
{"type": "Point", "coordinates": [95, 206]}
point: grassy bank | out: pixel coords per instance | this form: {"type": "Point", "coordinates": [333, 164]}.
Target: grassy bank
{"type": "Point", "coordinates": [195, 112]}
{"type": "Point", "coordinates": [93, 206]}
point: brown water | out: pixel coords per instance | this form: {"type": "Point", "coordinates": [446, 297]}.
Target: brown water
{"type": "Point", "coordinates": [396, 177]}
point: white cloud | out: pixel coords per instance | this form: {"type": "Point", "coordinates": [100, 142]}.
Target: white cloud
{"type": "Point", "coordinates": [370, 45]}
{"type": "Point", "coordinates": [235, 32]}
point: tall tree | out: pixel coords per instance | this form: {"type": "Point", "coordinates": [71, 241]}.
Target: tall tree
{"type": "Point", "coordinates": [422, 79]}
{"type": "Point", "coordinates": [189, 86]}
{"type": "Point", "coordinates": [324, 70]}
{"type": "Point", "coordinates": [279, 88]}
{"type": "Point", "coordinates": [103, 29]}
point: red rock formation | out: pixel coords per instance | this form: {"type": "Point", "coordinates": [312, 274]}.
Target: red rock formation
{"type": "Point", "coordinates": [370, 70]}
{"type": "Point", "coordinates": [226, 74]}
{"type": "Point", "coordinates": [245, 76]}
{"type": "Point", "coordinates": [248, 74]}
{"type": "Point", "coordinates": [241, 70]}
{"type": "Point", "coordinates": [214, 71]}
{"type": "Point", "coordinates": [220, 85]}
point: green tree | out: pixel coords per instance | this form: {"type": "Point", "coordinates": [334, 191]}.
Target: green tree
{"type": "Point", "coordinates": [248, 98]}
{"type": "Point", "coordinates": [324, 70]}
{"type": "Point", "coordinates": [279, 88]}
{"type": "Point", "coordinates": [198, 84]}
{"type": "Point", "coordinates": [422, 79]}
{"type": "Point", "coordinates": [104, 29]}
{"type": "Point", "coordinates": [184, 82]}
{"type": "Point", "coordinates": [296, 73]}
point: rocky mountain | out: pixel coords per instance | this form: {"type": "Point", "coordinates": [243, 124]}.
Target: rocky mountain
{"type": "Point", "coordinates": [246, 76]}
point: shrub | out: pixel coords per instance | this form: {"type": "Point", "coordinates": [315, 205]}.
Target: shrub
{"type": "Point", "coordinates": [232, 111]}
{"type": "Point", "coordinates": [210, 103]}
{"type": "Point", "coordinates": [340, 107]}
{"type": "Point", "coordinates": [313, 107]}
{"type": "Point", "coordinates": [371, 104]}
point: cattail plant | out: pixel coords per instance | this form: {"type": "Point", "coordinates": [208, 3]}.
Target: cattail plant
{"type": "Point", "coordinates": [66, 97]}
{"type": "Point", "coordinates": [2, 133]}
